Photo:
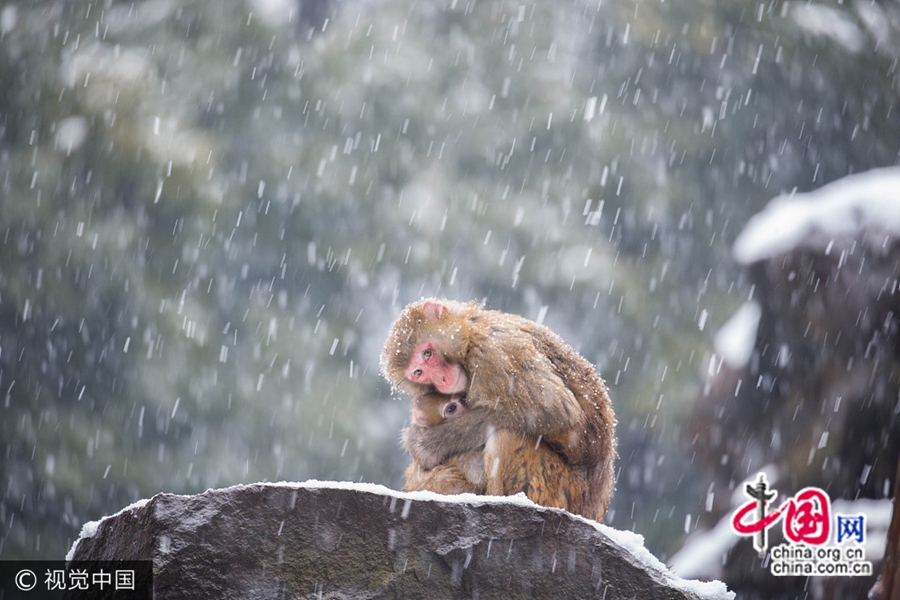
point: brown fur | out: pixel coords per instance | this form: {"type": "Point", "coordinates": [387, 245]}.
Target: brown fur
{"type": "Point", "coordinates": [432, 446]}
{"type": "Point", "coordinates": [510, 463]}
{"type": "Point", "coordinates": [517, 463]}
{"type": "Point", "coordinates": [550, 411]}
{"type": "Point", "coordinates": [458, 475]}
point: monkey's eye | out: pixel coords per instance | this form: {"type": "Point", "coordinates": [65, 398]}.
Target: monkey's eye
{"type": "Point", "coordinates": [417, 373]}
{"type": "Point", "coordinates": [451, 408]}
{"type": "Point", "coordinates": [427, 353]}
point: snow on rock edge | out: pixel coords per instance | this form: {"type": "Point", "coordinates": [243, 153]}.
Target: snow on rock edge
{"type": "Point", "coordinates": [628, 541]}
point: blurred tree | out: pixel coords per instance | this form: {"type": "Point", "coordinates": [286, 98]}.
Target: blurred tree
{"type": "Point", "coordinates": [211, 211]}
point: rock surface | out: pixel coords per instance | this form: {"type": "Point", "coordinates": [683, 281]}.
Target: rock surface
{"type": "Point", "coordinates": [334, 540]}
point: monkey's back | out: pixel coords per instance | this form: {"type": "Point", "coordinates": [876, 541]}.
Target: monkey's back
{"type": "Point", "coordinates": [590, 447]}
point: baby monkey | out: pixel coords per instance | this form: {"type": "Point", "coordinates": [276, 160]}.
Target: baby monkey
{"type": "Point", "coordinates": [460, 473]}
{"type": "Point", "coordinates": [429, 410]}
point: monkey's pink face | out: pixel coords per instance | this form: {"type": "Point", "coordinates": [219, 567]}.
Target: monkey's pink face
{"type": "Point", "coordinates": [429, 367]}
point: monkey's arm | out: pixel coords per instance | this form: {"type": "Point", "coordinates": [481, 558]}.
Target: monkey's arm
{"type": "Point", "coordinates": [431, 446]}
{"type": "Point", "coordinates": [513, 378]}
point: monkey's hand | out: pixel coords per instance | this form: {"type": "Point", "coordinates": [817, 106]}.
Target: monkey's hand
{"type": "Point", "coordinates": [431, 446]}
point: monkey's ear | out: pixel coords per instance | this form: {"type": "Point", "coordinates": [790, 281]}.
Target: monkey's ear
{"type": "Point", "coordinates": [435, 310]}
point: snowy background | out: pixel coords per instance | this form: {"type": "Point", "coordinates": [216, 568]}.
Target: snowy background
{"type": "Point", "coordinates": [210, 213]}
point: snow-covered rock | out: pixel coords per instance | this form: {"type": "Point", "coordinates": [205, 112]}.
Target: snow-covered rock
{"type": "Point", "coordinates": [867, 201]}
{"type": "Point", "coordinates": [803, 381]}
{"type": "Point", "coordinates": [344, 540]}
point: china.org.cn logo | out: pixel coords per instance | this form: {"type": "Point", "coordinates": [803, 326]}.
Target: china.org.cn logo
{"type": "Point", "coordinates": [808, 526]}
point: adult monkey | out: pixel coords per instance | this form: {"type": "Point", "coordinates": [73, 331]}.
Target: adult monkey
{"type": "Point", "coordinates": [524, 387]}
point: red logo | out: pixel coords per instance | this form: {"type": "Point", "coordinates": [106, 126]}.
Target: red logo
{"type": "Point", "coordinates": [807, 516]}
